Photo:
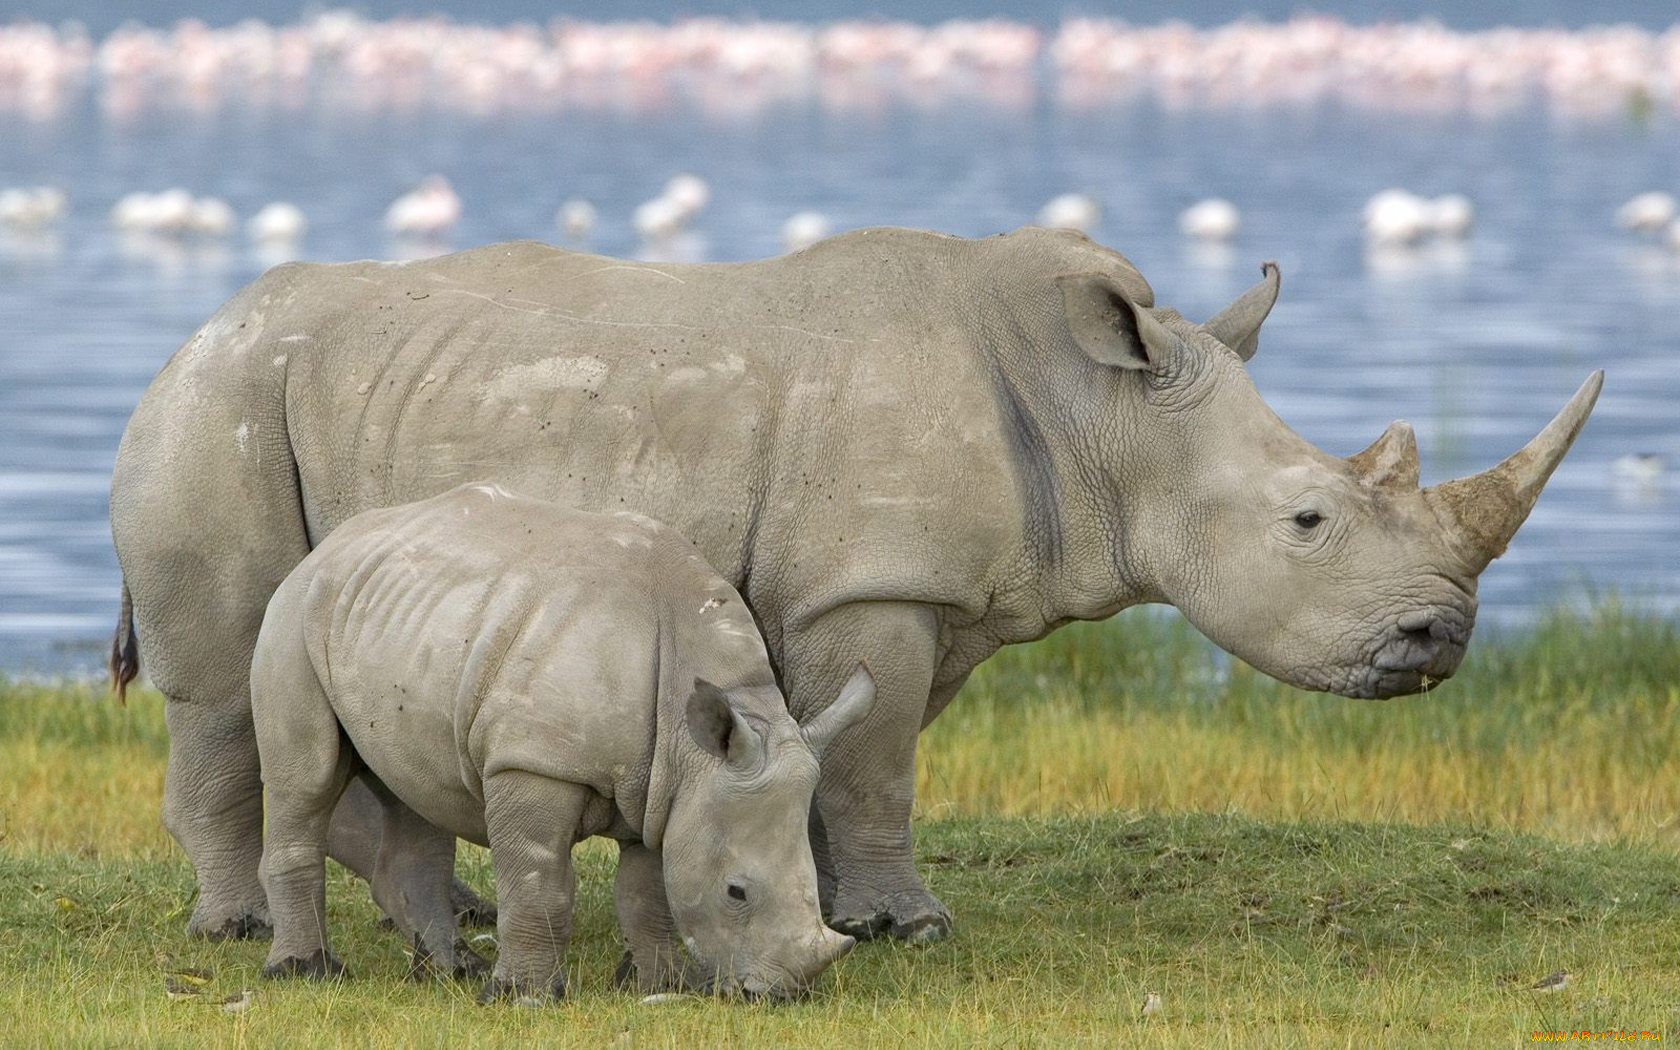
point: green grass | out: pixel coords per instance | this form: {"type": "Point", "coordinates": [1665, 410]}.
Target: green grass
{"type": "Point", "coordinates": [1112, 811]}
{"type": "Point", "coordinates": [1254, 933]}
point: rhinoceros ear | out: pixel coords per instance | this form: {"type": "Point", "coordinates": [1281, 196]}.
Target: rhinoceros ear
{"type": "Point", "coordinates": [720, 730]}
{"type": "Point", "coordinates": [1109, 326]}
{"type": "Point", "coordinates": [856, 699]}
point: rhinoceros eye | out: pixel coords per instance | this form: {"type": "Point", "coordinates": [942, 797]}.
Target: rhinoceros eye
{"type": "Point", "coordinates": [1308, 519]}
{"type": "Point", "coordinates": [737, 891]}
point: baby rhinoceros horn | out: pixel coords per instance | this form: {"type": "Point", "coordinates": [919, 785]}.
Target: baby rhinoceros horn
{"type": "Point", "coordinates": [1482, 512]}
{"type": "Point", "coordinates": [856, 699]}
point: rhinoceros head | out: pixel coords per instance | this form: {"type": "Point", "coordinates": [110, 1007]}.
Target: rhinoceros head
{"type": "Point", "coordinates": [1333, 574]}
{"type": "Point", "coordinates": [738, 867]}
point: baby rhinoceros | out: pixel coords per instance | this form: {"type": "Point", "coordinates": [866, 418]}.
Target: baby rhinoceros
{"type": "Point", "coordinates": [524, 675]}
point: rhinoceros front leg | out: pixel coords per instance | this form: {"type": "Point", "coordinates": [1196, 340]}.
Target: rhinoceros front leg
{"type": "Point", "coordinates": [532, 822]}
{"type": "Point", "coordinates": [868, 780]}
{"type": "Point", "coordinates": [654, 959]}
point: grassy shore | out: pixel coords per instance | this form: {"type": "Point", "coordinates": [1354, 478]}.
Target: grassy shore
{"type": "Point", "coordinates": [1112, 811]}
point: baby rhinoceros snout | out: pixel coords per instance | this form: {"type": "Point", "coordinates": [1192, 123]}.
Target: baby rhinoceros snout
{"type": "Point", "coordinates": [831, 947]}
{"type": "Point", "coordinates": [797, 976]}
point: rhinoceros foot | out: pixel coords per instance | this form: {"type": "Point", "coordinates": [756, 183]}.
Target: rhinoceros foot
{"type": "Point", "coordinates": [470, 908]}
{"type": "Point", "coordinates": [318, 965]}
{"type": "Point", "coordinates": [243, 925]}
{"type": "Point", "coordinates": [522, 993]}
{"type": "Point", "coordinates": [916, 917]}
{"type": "Point", "coordinates": [461, 964]}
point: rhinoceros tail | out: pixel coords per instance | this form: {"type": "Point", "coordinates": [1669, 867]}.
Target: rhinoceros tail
{"type": "Point", "coordinates": [125, 654]}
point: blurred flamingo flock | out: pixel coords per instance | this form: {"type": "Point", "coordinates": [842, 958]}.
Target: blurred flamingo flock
{"type": "Point", "coordinates": [733, 65]}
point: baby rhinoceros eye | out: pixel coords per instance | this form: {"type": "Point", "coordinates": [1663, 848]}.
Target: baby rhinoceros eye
{"type": "Point", "coordinates": [1308, 519]}
{"type": "Point", "coordinates": [737, 891]}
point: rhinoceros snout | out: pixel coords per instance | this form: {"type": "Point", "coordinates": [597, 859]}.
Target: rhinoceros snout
{"type": "Point", "coordinates": [1422, 647]}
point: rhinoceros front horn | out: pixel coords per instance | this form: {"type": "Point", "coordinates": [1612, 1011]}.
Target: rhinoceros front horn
{"type": "Point", "coordinates": [1485, 510]}
{"type": "Point", "coordinates": [1238, 325]}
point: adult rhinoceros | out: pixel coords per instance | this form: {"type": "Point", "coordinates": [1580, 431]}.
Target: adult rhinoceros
{"type": "Point", "coordinates": [898, 446]}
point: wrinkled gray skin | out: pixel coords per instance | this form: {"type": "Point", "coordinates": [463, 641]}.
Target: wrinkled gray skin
{"type": "Point", "coordinates": [524, 676]}
{"type": "Point", "coordinates": [897, 445]}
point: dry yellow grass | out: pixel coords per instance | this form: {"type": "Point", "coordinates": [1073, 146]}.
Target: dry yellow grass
{"type": "Point", "coordinates": [1571, 730]}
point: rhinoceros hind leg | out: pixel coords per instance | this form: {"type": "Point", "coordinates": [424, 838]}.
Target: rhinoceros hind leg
{"type": "Point", "coordinates": [412, 882]}
{"type": "Point", "coordinates": [353, 840]}
{"type": "Point", "coordinates": [212, 805]}
{"type": "Point", "coordinates": [318, 965]}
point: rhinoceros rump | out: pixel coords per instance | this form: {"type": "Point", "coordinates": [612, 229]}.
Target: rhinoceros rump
{"type": "Point", "coordinates": [524, 675]}
{"type": "Point", "coordinates": [897, 445]}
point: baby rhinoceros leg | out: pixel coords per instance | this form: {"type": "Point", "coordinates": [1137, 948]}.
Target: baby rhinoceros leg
{"type": "Point", "coordinates": [654, 959]}
{"type": "Point", "coordinates": [532, 822]}
{"type": "Point", "coordinates": [412, 882]}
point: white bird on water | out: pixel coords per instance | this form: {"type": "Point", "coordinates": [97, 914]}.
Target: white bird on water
{"type": "Point", "coordinates": [1071, 211]}
{"type": "Point", "coordinates": [1396, 216]}
{"type": "Point", "coordinates": [1647, 212]}
{"type": "Point", "coordinates": [576, 218]}
{"type": "Point", "coordinates": [803, 229]}
{"type": "Point", "coordinates": [32, 208]}
{"type": "Point", "coordinates": [1451, 215]}
{"type": "Point", "coordinates": [689, 192]}
{"type": "Point", "coordinates": [278, 223]}
{"type": "Point", "coordinates": [174, 212]}
{"type": "Point", "coordinates": [658, 219]}
{"type": "Point", "coordinates": [429, 210]}
{"type": "Point", "coordinates": [668, 214]}
{"type": "Point", "coordinates": [1214, 219]}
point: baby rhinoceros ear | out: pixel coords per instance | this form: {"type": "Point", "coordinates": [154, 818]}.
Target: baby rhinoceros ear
{"type": "Point", "coordinates": [720, 730]}
{"type": "Point", "coordinates": [856, 700]}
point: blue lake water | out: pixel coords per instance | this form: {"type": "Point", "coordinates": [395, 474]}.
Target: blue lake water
{"type": "Point", "coordinates": [1477, 344]}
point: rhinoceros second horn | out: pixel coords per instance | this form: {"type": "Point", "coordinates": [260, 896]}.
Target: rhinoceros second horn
{"type": "Point", "coordinates": [1391, 461]}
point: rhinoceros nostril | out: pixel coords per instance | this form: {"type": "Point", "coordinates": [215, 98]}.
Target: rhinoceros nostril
{"type": "Point", "coordinates": [1424, 636]}
{"type": "Point", "coordinates": [1427, 629]}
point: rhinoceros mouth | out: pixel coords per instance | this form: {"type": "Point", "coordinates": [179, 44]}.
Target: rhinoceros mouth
{"type": "Point", "coordinates": [1415, 651]}
{"type": "Point", "coordinates": [1385, 685]}
{"type": "Point", "coordinates": [752, 990]}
